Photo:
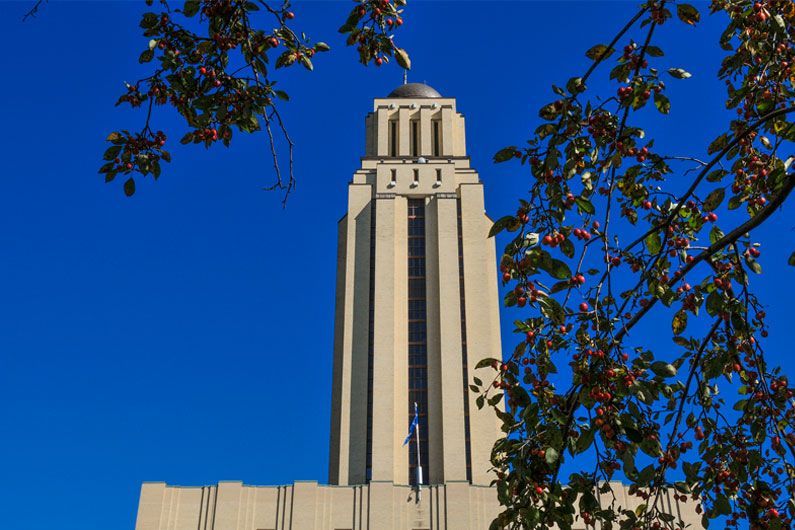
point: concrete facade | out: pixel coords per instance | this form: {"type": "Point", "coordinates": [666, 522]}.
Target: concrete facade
{"type": "Point", "coordinates": [311, 506]}
{"type": "Point", "coordinates": [435, 306]}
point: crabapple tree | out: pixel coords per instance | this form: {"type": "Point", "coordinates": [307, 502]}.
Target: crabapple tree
{"type": "Point", "coordinates": [614, 233]}
{"type": "Point", "coordinates": [214, 62]}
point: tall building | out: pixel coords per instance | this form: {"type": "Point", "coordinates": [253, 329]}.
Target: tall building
{"type": "Point", "coordinates": [416, 309]}
{"type": "Point", "coordinates": [417, 303]}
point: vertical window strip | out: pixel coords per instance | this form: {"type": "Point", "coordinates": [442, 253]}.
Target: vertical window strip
{"type": "Point", "coordinates": [415, 137]}
{"type": "Point", "coordinates": [393, 139]}
{"type": "Point", "coordinates": [464, 360]}
{"type": "Point", "coordinates": [417, 332]}
{"type": "Point", "coordinates": [370, 335]}
{"type": "Point", "coordinates": [436, 127]}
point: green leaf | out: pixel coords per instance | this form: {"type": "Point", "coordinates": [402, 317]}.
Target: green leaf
{"type": "Point", "coordinates": [403, 58]}
{"type": "Point", "coordinates": [679, 73]}
{"type": "Point", "coordinates": [557, 268]}
{"type": "Point", "coordinates": [306, 63]}
{"type": "Point", "coordinates": [505, 154]}
{"type": "Point", "coordinates": [600, 51]}
{"type": "Point", "coordinates": [714, 303]}
{"type": "Point", "coordinates": [585, 205]}
{"type": "Point", "coordinates": [567, 247]}
{"type": "Point", "coordinates": [129, 187]}
{"type": "Point", "coordinates": [508, 222]}
{"type": "Point", "coordinates": [718, 143]}
{"type": "Point", "coordinates": [653, 243]}
{"type": "Point", "coordinates": [714, 199]}
{"type": "Point", "coordinates": [191, 8]}
{"type": "Point", "coordinates": [112, 152]}
{"type": "Point", "coordinates": [791, 260]}
{"type": "Point", "coordinates": [149, 20]}
{"type": "Point", "coordinates": [551, 309]}
{"type": "Point", "coordinates": [146, 56]}
{"type": "Point", "coordinates": [662, 102]}
{"type": "Point", "coordinates": [479, 401]}
{"type": "Point", "coordinates": [717, 175]}
{"type": "Point", "coordinates": [688, 14]}
{"type": "Point", "coordinates": [551, 455]}
{"type": "Point", "coordinates": [722, 505]}
{"type": "Point", "coordinates": [575, 85]}
{"type": "Point", "coordinates": [654, 51]}
{"type": "Point", "coordinates": [488, 361]}
{"type": "Point", "coordinates": [679, 322]}
{"type": "Point", "coordinates": [584, 441]}
{"type": "Point", "coordinates": [496, 398]}
{"type": "Point", "coordinates": [663, 369]}
{"type": "Point", "coordinates": [322, 47]}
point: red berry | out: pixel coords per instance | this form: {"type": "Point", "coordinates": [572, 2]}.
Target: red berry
{"type": "Point", "coordinates": [583, 307]}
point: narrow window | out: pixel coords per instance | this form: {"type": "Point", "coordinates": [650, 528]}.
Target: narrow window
{"type": "Point", "coordinates": [437, 141]}
{"type": "Point", "coordinates": [417, 335]}
{"type": "Point", "coordinates": [415, 138]}
{"type": "Point", "coordinates": [393, 178]}
{"type": "Point", "coordinates": [416, 178]}
{"type": "Point", "coordinates": [393, 138]}
{"type": "Point", "coordinates": [464, 361]}
{"type": "Point", "coordinates": [438, 176]}
{"type": "Point", "coordinates": [370, 341]}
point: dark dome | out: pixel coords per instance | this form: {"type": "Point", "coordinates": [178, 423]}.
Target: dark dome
{"type": "Point", "coordinates": [414, 90]}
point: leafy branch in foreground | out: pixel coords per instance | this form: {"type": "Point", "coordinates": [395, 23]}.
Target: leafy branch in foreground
{"type": "Point", "coordinates": [614, 231]}
{"type": "Point", "coordinates": [212, 63]}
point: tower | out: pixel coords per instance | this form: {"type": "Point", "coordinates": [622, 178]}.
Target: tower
{"type": "Point", "coordinates": [417, 302]}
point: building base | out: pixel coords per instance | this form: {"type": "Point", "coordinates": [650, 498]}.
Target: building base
{"type": "Point", "coordinates": [312, 506]}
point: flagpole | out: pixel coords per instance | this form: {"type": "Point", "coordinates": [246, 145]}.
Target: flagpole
{"type": "Point", "coordinates": [419, 459]}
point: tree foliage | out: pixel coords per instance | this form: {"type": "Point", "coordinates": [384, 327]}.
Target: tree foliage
{"type": "Point", "coordinates": [614, 231]}
{"type": "Point", "coordinates": [214, 62]}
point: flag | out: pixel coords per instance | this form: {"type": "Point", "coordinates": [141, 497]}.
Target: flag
{"type": "Point", "coordinates": [413, 426]}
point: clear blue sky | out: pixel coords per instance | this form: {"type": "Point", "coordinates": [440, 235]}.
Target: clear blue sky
{"type": "Point", "coordinates": [139, 338]}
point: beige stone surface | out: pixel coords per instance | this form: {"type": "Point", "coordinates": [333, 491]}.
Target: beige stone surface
{"type": "Point", "coordinates": [312, 506]}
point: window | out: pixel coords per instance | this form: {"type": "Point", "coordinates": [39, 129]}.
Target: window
{"type": "Point", "coordinates": [436, 129]}
{"type": "Point", "coordinates": [464, 361]}
{"type": "Point", "coordinates": [415, 138]}
{"type": "Point", "coordinates": [393, 138]}
{"type": "Point", "coordinates": [418, 339]}
{"type": "Point", "coordinates": [370, 334]}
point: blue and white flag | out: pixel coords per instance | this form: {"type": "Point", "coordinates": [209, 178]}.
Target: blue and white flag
{"type": "Point", "coordinates": [413, 426]}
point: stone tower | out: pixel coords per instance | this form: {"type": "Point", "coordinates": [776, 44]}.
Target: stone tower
{"type": "Point", "coordinates": [417, 303]}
